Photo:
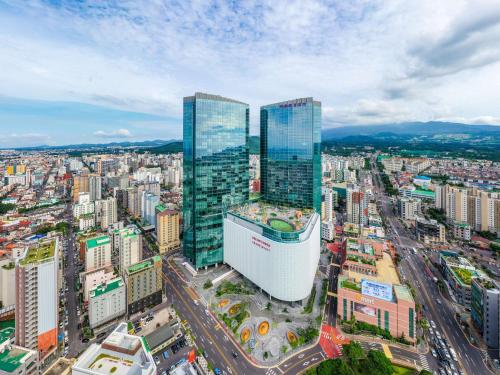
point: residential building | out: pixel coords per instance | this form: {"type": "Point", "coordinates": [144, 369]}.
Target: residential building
{"type": "Point", "coordinates": [149, 202]}
{"type": "Point", "coordinates": [144, 284]}
{"type": "Point", "coordinates": [95, 188]}
{"type": "Point", "coordinates": [409, 208]}
{"type": "Point", "coordinates": [107, 301]}
{"type": "Point", "coordinates": [357, 205]}
{"type": "Point", "coordinates": [429, 231]}
{"type": "Point", "coordinates": [167, 229]}
{"type": "Point", "coordinates": [7, 282]}
{"type": "Point", "coordinates": [80, 185]}
{"type": "Point", "coordinates": [485, 299]}
{"type": "Point", "coordinates": [129, 246]}
{"type": "Point", "coordinates": [290, 144]}
{"type": "Point", "coordinates": [216, 172]}
{"type": "Point", "coordinates": [107, 210]}
{"type": "Point", "coordinates": [94, 278]}
{"type": "Point", "coordinates": [97, 253]}
{"type": "Point", "coordinates": [462, 231]}
{"type": "Point", "coordinates": [37, 297]}
{"type": "Point", "coordinates": [126, 354]}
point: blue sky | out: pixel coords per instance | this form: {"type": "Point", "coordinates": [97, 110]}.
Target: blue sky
{"type": "Point", "coordinates": [100, 71]}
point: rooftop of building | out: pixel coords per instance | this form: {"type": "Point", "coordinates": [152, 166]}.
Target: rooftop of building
{"type": "Point", "coordinates": [11, 359]}
{"type": "Point", "coordinates": [423, 178]}
{"type": "Point", "coordinates": [62, 365]}
{"type": "Point", "coordinates": [119, 354]}
{"type": "Point", "coordinates": [278, 218]}
{"type": "Point", "coordinates": [39, 253]}
{"type": "Point", "coordinates": [6, 334]}
{"type": "Point", "coordinates": [292, 103]}
{"type": "Point", "coordinates": [201, 95]}
{"type": "Point", "coordinates": [386, 272]}
{"type": "Point", "coordinates": [147, 263]}
{"type": "Point", "coordinates": [104, 288]}
{"type": "Point", "coordinates": [98, 241]}
{"type": "Point", "coordinates": [163, 210]}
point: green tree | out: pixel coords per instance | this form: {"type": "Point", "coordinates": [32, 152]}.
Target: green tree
{"type": "Point", "coordinates": [425, 372]}
{"type": "Point", "coordinates": [377, 363]}
{"type": "Point", "coordinates": [353, 353]}
{"type": "Point", "coordinates": [334, 366]}
{"type": "Point", "coordinates": [208, 284]}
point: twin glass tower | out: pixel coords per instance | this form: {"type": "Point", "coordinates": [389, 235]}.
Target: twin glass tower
{"type": "Point", "coordinates": [216, 164]}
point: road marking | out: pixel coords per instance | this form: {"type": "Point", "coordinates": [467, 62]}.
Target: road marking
{"type": "Point", "coordinates": [387, 351]}
{"type": "Point", "coordinates": [280, 370]}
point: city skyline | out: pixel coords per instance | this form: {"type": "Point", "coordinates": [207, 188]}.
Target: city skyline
{"type": "Point", "coordinates": [77, 73]}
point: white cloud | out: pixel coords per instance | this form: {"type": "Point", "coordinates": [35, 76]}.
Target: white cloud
{"type": "Point", "coordinates": [120, 133]}
{"type": "Point", "coordinates": [25, 140]}
{"type": "Point", "coordinates": [367, 61]}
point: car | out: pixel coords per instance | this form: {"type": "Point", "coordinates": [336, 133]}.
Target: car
{"type": "Point", "coordinates": [85, 340]}
{"type": "Point", "coordinates": [235, 355]}
{"type": "Point", "coordinates": [433, 325]}
{"type": "Point", "coordinates": [157, 360]}
{"type": "Point", "coordinates": [453, 354]}
{"type": "Point", "coordinates": [434, 354]}
{"type": "Point", "coordinates": [217, 371]}
{"type": "Point", "coordinates": [438, 301]}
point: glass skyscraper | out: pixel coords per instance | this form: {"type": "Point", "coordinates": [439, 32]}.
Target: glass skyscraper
{"type": "Point", "coordinates": [290, 151]}
{"type": "Point", "coordinates": [216, 171]}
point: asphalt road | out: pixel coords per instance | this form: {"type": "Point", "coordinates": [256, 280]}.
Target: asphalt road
{"type": "Point", "coordinates": [217, 345]}
{"type": "Point", "coordinates": [413, 267]}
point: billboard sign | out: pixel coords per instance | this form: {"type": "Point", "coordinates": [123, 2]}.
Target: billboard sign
{"type": "Point", "coordinates": [376, 289]}
{"type": "Point", "coordinates": [363, 309]}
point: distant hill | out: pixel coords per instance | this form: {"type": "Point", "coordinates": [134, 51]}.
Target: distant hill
{"type": "Point", "coordinates": [169, 148]}
{"type": "Point", "coordinates": [88, 146]}
{"type": "Point", "coordinates": [409, 128]}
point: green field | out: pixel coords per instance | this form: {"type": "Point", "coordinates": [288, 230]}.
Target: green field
{"type": "Point", "coordinates": [399, 370]}
{"type": "Point", "coordinates": [281, 225]}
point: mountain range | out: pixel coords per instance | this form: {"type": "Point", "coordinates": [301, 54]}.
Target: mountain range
{"type": "Point", "coordinates": [366, 132]}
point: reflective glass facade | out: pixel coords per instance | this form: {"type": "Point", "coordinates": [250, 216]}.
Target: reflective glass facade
{"type": "Point", "coordinates": [290, 151]}
{"type": "Point", "coordinates": [216, 171]}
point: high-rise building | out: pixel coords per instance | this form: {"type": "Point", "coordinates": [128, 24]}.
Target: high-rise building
{"type": "Point", "coordinates": [97, 253]}
{"type": "Point", "coordinates": [167, 229]}
{"type": "Point", "coordinates": [149, 202]}
{"type": "Point", "coordinates": [80, 185]}
{"type": "Point", "coordinates": [129, 242]}
{"type": "Point", "coordinates": [485, 299]}
{"type": "Point", "coordinates": [290, 147]}
{"type": "Point", "coordinates": [144, 284]}
{"type": "Point", "coordinates": [216, 163]}
{"type": "Point", "coordinates": [409, 208]}
{"type": "Point", "coordinates": [107, 211]}
{"type": "Point", "coordinates": [357, 205]}
{"type": "Point", "coordinates": [95, 188]}
{"type": "Point", "coordinates": [37, 298]}
{"type": "Point", "coordinates": [107, 301]}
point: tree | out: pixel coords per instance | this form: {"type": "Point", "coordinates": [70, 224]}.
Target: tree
{"type": "Point", "coordinates": [334, 366]}
{"type": "Point", "coordinates": [208, 284]}
{"type": "Point", "coordinates": [353, 353]}
{"type": "Point", "coordinates": [425, 372]}
{"type": "Point", "coordinates": [377, 363]}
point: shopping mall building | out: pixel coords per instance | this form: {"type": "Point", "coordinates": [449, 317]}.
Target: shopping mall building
{"type": "Point", "coordinates": [372, 293]}
{"type": "Point", "coordinates": [276, 248]}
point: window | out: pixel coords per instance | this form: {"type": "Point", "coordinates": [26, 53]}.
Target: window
{"type": "Point", "coordinates": [345, 309]}
{"type": "Point", "coordinates": [411, 329]}
{"type": "Point", "coordinates": [386, 320]}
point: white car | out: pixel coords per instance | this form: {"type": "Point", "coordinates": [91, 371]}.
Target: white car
{"type": "Point", "coordinates": [433, 325]}
{"type": "Point", "coordinates": [453, 354]}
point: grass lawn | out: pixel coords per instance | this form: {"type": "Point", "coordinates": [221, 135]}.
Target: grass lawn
{"type": "Point", "coordinates": [281, 225]}
{"type": "Point", "coordinates": [399, 370]}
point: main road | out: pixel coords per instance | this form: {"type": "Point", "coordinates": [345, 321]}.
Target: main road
{"type": "Point", "coordinates": [414, 268]}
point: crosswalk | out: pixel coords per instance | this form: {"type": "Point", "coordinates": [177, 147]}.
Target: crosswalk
{"type": "Point", "coordinates": [424, 363]}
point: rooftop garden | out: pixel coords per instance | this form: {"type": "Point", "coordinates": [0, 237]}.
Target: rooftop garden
{"type": "Point", "coordinates": [351, 285]}
{"type": "Point", "coordinates": [358, 259]}
{"type": "Point", "coordinates": [37, 254]}
{"type": "Point", "coordinates": [464, 275]}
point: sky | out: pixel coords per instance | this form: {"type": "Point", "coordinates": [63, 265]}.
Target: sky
{"type": "Point", "coordinates": [103, 71]}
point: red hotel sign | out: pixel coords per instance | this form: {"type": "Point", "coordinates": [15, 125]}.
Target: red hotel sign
{"type": "Point", "coordinates": [262, 244]}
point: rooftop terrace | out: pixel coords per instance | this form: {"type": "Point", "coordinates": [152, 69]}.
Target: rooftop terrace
{"type": "Point", "coordinates": [143, 265]}
{"type": "Point", "coordinates": [11, 359]}
{"type": "Point", "coordinates": [40, 253]}
{"type": "Point", "coordinates": [279, 218]}
{"type": "Point", "coordinates": [98, 241]}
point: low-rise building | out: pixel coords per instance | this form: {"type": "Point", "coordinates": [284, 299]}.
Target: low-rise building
{"type": "Point", "coordinates": [107, 301]}
{"type": "Point", "coordinates": [16, 360]}
{"type": "Point", "coordinates": [459, 272]}
{"type": "Point", "coordinates": [119, 354]}
{"type": "Point", "coordinates": [462, 231]}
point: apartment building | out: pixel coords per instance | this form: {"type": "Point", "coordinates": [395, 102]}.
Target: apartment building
{"type": "Point", "coordinates": [97, 253]}
{"type": "Point", "coordinates": [37, 298]}
{"type": "Point", "coordinates": [107, 301]}
{"type": "Point", "coordinates": [167, 228]}
{"type": "Point", "coordinates": [144, 284]}
{"type": "Point", "coordinates": [485, 299]}
{"type": "Point", "coordinates": [357, 205]}
{"type": "Point", "coordinates": [129, 241]}
{"type": "Point", "coordinates": [409, 208]}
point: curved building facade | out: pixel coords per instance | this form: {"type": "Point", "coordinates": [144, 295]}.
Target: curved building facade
{"type": "Point", "coordinates": [282, 263]}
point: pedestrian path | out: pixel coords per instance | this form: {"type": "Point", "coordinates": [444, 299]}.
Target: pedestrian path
{"type": "Point", "coordinates": [331, 341]}
{"type": "Point", "coordinates": [424, 363]}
